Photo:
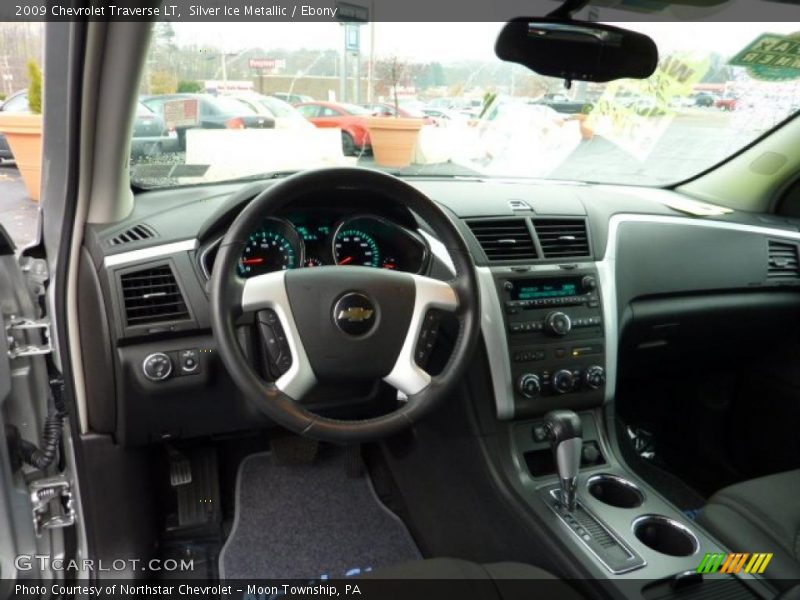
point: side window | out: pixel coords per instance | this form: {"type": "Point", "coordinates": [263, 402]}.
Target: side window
{"type": "Point", "coordinates": [308, 110]}
{"type": "Point", "coordinates": [328, 112]}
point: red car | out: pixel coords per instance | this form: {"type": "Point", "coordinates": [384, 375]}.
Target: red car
{"type": "Point", "coordinates": [727, 103]}
{"type": "Point", "coordinates": [350, 118]}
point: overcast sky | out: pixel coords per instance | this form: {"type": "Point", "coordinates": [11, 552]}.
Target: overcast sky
{"type": "Point", "coordinates": [445, 42]}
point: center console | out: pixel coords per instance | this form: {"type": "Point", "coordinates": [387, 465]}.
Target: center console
{"type": "Point", "coordinates": [548, 322]}
{"type": "Point", "coordinates": [554, 336]}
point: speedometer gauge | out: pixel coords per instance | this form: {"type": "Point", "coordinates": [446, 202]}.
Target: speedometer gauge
{"type": "Point", "coordinates": [356, 248]}
{"type": "Point", "coordinates": [274, 247]}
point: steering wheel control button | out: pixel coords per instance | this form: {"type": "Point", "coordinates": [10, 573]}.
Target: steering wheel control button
{"type": "Point", "coordinates": [354, 314]}
{"type": "Point", "coordinates": [275, 342]}
{"type": "Point", "coordinates": [427, 337]}
{"type": "Point", "coordinates": [557, 323]}
{"type": "Point", "coordinates": [157, 366]}
{"type": "Point", "coordinates": [189, 361]}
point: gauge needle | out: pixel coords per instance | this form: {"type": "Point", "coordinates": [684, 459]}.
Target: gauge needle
{"type": "Point", "coordinates": [389, 266]}
{"type": "Point", "coordinates": [252, 261]}
{"type": "Point", "coordinates": [346, 260]}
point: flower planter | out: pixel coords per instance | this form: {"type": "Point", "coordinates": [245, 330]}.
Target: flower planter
{"type": "Point", "coordinates": [393, 140]}
{"type": "Point", "coordinates": [24, 134]}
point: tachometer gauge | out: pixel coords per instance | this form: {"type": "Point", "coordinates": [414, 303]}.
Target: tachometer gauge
{"type": "Point", "coordinates": [356, 248]}
{"type": "Point", "coordinates": [274, 247]}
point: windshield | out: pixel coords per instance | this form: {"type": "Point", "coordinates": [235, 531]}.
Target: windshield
{"type": "Point", "coordinates": [459, 109]}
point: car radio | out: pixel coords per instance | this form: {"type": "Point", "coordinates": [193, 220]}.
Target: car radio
{"type": "Point", "coordinates": [554, 327]}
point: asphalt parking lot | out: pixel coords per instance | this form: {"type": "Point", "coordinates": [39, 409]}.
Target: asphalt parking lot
{"type": "Point", "coordinates": [19, 215]}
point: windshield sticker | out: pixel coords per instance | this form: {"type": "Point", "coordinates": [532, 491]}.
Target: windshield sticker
{"type": "Point", "coordinates": [634, 114]}
{"type": "Point", "coordinates": [771, 57]}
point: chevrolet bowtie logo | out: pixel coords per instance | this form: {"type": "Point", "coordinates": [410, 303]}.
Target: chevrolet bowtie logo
{"type": "Point", "coordinates": [355, 314]}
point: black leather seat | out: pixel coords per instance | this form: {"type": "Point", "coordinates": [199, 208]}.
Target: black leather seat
{"type": "Point", "coordinates": [499, 581]}
{"type": "Point", "coordinates": [761, 515]}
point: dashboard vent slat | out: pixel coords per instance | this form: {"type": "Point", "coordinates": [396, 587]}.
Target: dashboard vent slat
{"type": "Point", "coordinates": [137, 233]}
{"type": "Point", "coordinates": [152, 296]}
{"type": "Point", "coordinates": [562, 238]}
{"type": "Point", "coordinates": [782, 262]}
{"type": "Point", "coordinates": [504, 239]}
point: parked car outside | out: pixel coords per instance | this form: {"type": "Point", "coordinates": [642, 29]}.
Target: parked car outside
{"type": "Point", "coordinates": [150, 135]}
{"type": "Point", "coordinates": [704, 100]}
{"type": "Point", "coordinates": [350, 118]}
{"type": "Point", "coordinates": [214, 112]}
{"type": "Point", "coordinates": [727, 103]}
{"type": "Point", "coordinates": [286, 116]}
{"type": "Point", "coordinates": [292, 98]}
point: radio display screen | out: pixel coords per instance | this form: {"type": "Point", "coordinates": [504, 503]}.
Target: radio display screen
{"type": "Point", "coordinates": [536, 289]}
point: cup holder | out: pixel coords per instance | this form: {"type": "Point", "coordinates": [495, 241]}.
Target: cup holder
{"type": "Point", "coordinates": [665, 535]}
{"type": "Point", "coordinates": [615, 491]}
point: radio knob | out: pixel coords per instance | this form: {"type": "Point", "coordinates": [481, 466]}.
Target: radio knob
{"type": "Point", "coordinates": [594, 377]}
{"type": "Point", "coordinates": [589, 283]}
{"type": "Point", "coordinates": [529, 385]}
{"type": "Point", "coordinates": [563, 381]}
{"type": "Point", "coordinates": [157, 366]}
{"type": "Point", "coordinates": [558, 323]}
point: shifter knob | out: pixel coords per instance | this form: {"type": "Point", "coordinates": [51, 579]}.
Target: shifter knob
{"type": "Point", "coordinates": [563, 429]}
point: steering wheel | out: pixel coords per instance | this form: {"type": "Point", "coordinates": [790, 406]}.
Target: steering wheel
{"type": "Point", "coordinates": [343, 323]}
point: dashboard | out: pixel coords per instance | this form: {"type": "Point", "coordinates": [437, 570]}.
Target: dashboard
{"type": "Point", "coordinates": [564, 270]}
{"type": "Point", "coordinates": [319, 237]}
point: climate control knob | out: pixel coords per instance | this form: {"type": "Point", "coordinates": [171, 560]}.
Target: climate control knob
{"type": "Point", "coordinates": [529, 385]}
{"type": "Point", "coordinates": [157, 366]}
{"type": "Point", "coordinates": [594, 377]}
{"type": "Point", "coordinates": [557, 323]}
{"type": "Point", "coordinates": [563, 381]}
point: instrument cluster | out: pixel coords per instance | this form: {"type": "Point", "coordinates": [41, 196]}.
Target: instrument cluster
{"type": "Point", "coordinates": [313, 240]}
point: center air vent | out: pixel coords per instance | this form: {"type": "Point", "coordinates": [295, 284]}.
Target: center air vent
{"type": "Point", "coordinates": [152, 296]}
{"type": "Point", "coordinates": [504, 239]}
{"type": "Point", "coordinates": [136, 233]}
{"type": "Point", "coordinates": [562, 238]}
{"type": "Point", "coordinates": [783, 264]}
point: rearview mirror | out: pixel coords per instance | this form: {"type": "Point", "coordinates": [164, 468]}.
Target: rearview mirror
{"type": "Point", "coordinates": [577, 50]}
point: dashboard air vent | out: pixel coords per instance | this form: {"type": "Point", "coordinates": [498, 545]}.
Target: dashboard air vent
{"type": "Point", "coordinates": [505, 239]}
{"type": "Point", "coordinates": [152, 296]}
{"type": "Point", "coordinates": [562, 238]}
{"type": "Point", "coordinates": [783, 263]}
{"type": "Point", "coordinates": [136, 233]}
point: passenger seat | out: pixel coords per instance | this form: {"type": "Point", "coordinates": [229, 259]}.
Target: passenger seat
{"type": "Point", "coordinates": [761, 515]}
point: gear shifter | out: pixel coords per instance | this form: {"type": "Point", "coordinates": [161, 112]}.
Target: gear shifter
{"type": "Point", "coordinates": [563, 429]}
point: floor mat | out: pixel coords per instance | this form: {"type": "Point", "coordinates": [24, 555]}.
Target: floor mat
{"type": "Point", "coordinates": [309, 521]}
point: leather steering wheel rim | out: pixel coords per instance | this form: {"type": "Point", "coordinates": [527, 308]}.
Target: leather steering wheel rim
{"type": "Point", "coordinates": [231, 296]}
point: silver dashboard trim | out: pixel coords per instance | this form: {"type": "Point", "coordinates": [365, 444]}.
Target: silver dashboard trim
{"type": "Point", "coordinates": [144, 254]}
{"type": "Point", "coordinates": [494, 336]}
{"type": "Point", "coordinates": [438, 249]}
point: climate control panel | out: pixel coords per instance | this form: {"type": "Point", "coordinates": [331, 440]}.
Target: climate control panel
{"type": "Point", "coordinates": [554, 331]}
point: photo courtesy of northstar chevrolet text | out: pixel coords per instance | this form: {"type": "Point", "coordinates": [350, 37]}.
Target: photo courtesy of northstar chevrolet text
{"type": "Point", "coordinates": [389, 300]}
